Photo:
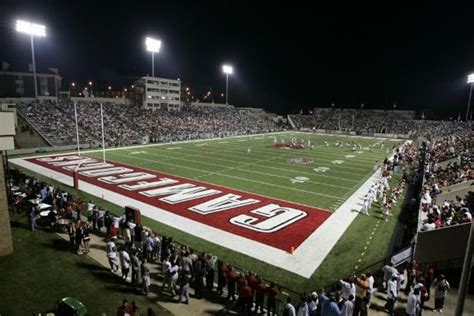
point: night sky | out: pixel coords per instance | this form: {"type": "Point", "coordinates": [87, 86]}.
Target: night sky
{"type": "Point", "coordinates": [287, 55]}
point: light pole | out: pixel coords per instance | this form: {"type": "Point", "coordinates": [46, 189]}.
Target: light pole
{"type": "Point", "coordinates": [228, 70]}
{"type": "Point", "coordinates": [470, 80]}
{"type": "Point", "coordinates": [32, 29]}
{"type": "Point", "coordinates": [153, 46]}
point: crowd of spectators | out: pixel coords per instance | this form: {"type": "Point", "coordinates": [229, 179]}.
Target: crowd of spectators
{"type": "Point", "coordinates": [455, 150]}
{"type": "Point", "coordinates": [127, 124]}
{"type": "Point", "coordinates": [376, 121]}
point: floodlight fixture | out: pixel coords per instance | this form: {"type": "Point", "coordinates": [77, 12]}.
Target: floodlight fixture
{"type": "Point", "coordinates": [470, 78]}
{"type": "Point", "coordinates": [229, 70]}
{"type": "Point", "coordinates": [30, 28]}
{"type": "Point", "coordinates": [152, 45]}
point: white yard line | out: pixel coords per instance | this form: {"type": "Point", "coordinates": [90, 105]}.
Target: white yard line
{"type": "Point", "coordinates": [268, 167]}
{"type": "Point", "coordinates": [239, 167]}
{"type": "Point", "coordinates": [233, 177]}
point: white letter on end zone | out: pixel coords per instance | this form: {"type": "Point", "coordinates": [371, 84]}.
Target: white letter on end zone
{"type": "Point", "coordinates": [221, 203]}
{"type": "Point", "coordinates": [278, 218]}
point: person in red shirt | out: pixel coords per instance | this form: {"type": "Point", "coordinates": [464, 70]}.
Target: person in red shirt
{"type": "Point", "coordinates": [245, 298]}
{"type": "Point", "coordinates": [252, 282]}
{"type": "Point", "coordinates": [221, 277]}
{"type": "Point", "coordinates": [240, 280]}
{"type": "Point", "coordinates": [231, 278]}
{"type": "Point", "coordinates": [273, 291]}
{"type": "Point", "coordinates": [260, 291]}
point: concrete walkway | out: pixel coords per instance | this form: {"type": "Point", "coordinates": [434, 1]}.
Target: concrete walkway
{"type": "Point", "coordinates": [214, 305]}
{"type": "Point", "coordinates": [211, 305]}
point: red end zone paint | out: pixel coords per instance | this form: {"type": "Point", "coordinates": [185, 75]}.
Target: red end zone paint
{"type": "Point", "coordinates": [290, 230]}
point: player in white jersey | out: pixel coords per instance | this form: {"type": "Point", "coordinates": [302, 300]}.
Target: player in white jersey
{"type": "Point", "coordinates": [326, 143]}
{"type": "Point", "coordinates": [365, 207]}
{"type": "Point", "coordinates": [248, 149]}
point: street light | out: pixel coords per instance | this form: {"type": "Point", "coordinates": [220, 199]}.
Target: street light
{"type": "Point", "coordinates": [228, 70]}
{"type": "Point", "coordinates": [153, 46]}
{"type": "Point", "coordinates": [470, 79]}
{"type": "Point", "coordinates": [33, 30]}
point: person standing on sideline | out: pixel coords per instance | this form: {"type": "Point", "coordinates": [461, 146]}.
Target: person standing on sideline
{"type": "Point", "coordinates": [348, 307]}
{"type": "Point", "coordinates": [184, 285]}
{"type": "Point", "coordinates": [370, 291]}
{"type": "Point", "coordinates": [86, 238]}
{"type": "Point", "coordinates": [32, 219]}
{"type": "Point", "coordinates": [135, 262]}
{"type": "Point", "coordinates": [273, 291]}
{"type": "Point", "coordinates": [412, 303]}
{"type": "Point", "coordinates": [289, 309]}
{"type": "Point", "coordinates": [392, 294]}
{"type": "Point", "coordinates": [146, 281]}
{"type": "Point", "coordinates": [111, 250]}
{"type": "Point", "coordinates": [441, 286]}
{"type": "Point", "coordinates": [125, 263]}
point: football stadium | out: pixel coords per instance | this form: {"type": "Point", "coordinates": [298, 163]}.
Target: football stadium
{"type": "Point", "coordinates": [166, 193]}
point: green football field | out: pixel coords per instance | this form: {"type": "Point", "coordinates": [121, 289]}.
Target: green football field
{"type": "Point", "coordinates": [266, 170]}
{"type": "Point", "coordinates": [334, 174]}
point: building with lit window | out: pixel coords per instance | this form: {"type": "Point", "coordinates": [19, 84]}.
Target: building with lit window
{"type": "Point", "coordinates": [21, 84]}
{"type": "Point", "coordinates": [158, 93]}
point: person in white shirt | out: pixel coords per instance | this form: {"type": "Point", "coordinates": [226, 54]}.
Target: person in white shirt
{"type": "Point", "coordinates": [392, 295]}
{"type": "Point", "coordinates": [313, 305]}
{"type": "Point", "coordinates": [111, 250]}
{"type": "Point", "coordinates": [348, 307]}
{"type": "Point", "coordinates": [412, 303]}
{"type": "Point", "coordinates": [289, 309]}
{"type": "Point", "coordinates": [365, 206]}
{"type": "Point", "coordinates": [125, 263]}
{"type": "Point", "coordinates": [370, 291]}
{"type": "Point", "coordinates": [348, 288]}
{"type": "Point", "coordinates": [303, 308]}
{"type": "Point", "coordinates": [388, 272]}
{"type": "Point", "coordinates": [428, 226]}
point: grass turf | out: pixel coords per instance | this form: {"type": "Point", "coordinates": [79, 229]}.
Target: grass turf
{"type": "Point", "coordinates": [41, 271]}
{"type": "Point", "coordinates": [265, 171]}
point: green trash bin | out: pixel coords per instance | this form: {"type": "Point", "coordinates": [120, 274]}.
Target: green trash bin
{"type": "Point", "coordinates": [70, 306]}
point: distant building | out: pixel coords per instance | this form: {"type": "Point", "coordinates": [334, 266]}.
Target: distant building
{"type": "Point", "coordinates": [21, 84]}
{"type": "Point", "coordinates": [158, 93]}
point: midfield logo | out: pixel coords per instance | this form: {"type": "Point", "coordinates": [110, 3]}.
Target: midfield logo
{"type": "Point", "coordinates": [300, 161]}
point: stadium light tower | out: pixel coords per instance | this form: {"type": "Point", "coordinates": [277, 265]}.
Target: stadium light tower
{"type": "Point", "coordinates": [228, 70]}
{"type": "Point", "coordinates": [153, 46]}
{"type": "Point", "coordinates": [32, 29]}
{"type": "Point", "coordinates": [470, 80]}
